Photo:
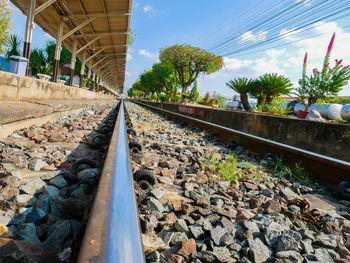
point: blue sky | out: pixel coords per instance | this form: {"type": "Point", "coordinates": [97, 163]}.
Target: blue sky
{"type": "Point", "coordinates": [201, 23]}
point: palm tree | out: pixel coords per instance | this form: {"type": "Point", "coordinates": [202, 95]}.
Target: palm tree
{"type": "Point", "coordinates": [37, 61]}
{"type": "Point", "coordinates": [256, 91]}
{"type": "Point", "coordinates": [275, 85]}
{"type": "Point", "coordinates": [241, 86]}
{"type": "Point", "coordinates": [13, 43]}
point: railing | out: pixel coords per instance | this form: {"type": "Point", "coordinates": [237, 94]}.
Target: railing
{"type": "Point", "coordinates": [113, 231]}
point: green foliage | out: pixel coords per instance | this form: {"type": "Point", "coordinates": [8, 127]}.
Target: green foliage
{"type": "Point", "coordinates": [274, 85]}
{"type": "Point", "coordinates": [131, 38]}
{"type": "Point", "coordinates": [296, 173]}
{"type": "Point", "coordinates": [230, 169]}
{"type": "Point", "coordinates": [274, 107]}
{"type": "Point", "coordinates": [37, 61]}
{"type": "Point", "coordinates": [13, 44]}
{"type": "Point", "coordinates": [5, 23]}
{"type": "Point", "coordinates": [241, 86]}
{"type": "Point", "coordinates": [323, 84]}
{"type": "Point", "coordinates": [194, 95]}
{"type": "Point", "coordinates": [66, 56]}
{"type": "Point", "coordinates": [163, 98]}
{"type": "Point", "coordinates": [164, 78]}
{"type": "Point", "coordinates": [339, 100]}
{"type": "Point", "coordinates": [189, 62]}
{"type": "Point", "coordinates": [178, 97]}
{"type": "Point", "coordinates": [220, 99]}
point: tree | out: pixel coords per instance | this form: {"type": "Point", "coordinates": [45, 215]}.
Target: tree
{"type": "Point", "coordinates": [241, 86]}
{"type": "Point", "coordinates": [164, 77]}
{"type": "Point", "coordinates": [148, 82]}
{"type": "Point", "coordinates": [256, 91]}
{"type": "Point", "coordinates": [322, 84]}
{"type": "Point", "coordinates": [37, 61]}
{"type": "Point", "coordinates": [13, 44]}
{"type": "Point", "coordinates": [206, 98]}
{"type": "Point", "coordinates": [66, 56]}
{"type": "Point", "coordinates": [194, 92]}
{"type": "Point", "coordinates": [5, 23]}
{"type": "Point", "coordinates": [274, 85]}
{"type": "Point", "coordinates": [189, 62]}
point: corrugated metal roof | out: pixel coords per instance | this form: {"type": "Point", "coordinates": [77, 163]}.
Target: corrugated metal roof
{"type": "Point", "coordinates": [111, 25]}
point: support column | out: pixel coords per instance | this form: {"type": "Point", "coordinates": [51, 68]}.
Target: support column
{"type": "Point", "coordinates": [58, 50]}
{"type": "Point", "coordinates": [72, 61]}
{"type": "Point", "coordinates": [28, 32]}
{"type": "Point", "coordinates": [82, 69]}
{"type": "Point", "coordinates": [93, 80]}
{"type": "Point", "coordinates": [88, 84]}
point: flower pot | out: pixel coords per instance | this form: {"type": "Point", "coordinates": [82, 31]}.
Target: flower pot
{"type": "Point", "coordinates": [302, 114]}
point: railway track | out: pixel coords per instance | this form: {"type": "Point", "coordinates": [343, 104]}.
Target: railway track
{"type": "Point", "coordinates": [183, 211]}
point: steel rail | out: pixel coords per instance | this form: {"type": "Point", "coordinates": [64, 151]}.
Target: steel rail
{"type": "Point", "coordinates": [329, 170]}
{"type": "Point", "coordinates": [113, 232]}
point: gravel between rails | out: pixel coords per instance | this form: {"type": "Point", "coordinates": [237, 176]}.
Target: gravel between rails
{"type": "Point", "coordinates": [189, 214]}
{"type": "Point", "coordinates": [48, 177]}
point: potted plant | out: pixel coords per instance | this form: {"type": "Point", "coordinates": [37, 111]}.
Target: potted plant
{"type": "Point", "coordinates": [321, 84]}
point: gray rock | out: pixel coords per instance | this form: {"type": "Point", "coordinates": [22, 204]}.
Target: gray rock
{"type": "Point", "coordinates": [89, 173]}
{"type": "Point", "coordinates": [290, 240]}
{"type": "Point", "coordinates": [37, 164]}
{"type": "Point", "coordinates": [207, 257]}
{"type": "Point", "coordinates": [314, 115]}
{"type": "Point", "coordinates": [323, 256]}
{"type": "Point", "coordinates": [59, 181]}
{"type": "Point", "coordinates": [34, 186]}
{"type": "Point", "coordinates": [27, 232]}
{"type": "Point", "coordinates": [167, 237]}
{"type": "Point", "coordinates": [51, 191]}
{"type": "Point", "coordinates": [291, 255]}
{"type": "Point", "coordinates": [258, 252]}
{"type": "Point", "coordinates": [306, 246]}
{"type": "Point", "coordinates": [178, 238]}
{"type": "Point", "coordinates": [252, 227]}
{"type": "Point", "coordinates": [158, 192]}
{"type": "Point", "coordinates": [288, 194]}
{"type": "Point", "coordinates": [61, 235]}
{"type": "Point", "coordinates": [25, 199]}
{"type": "Point", "coordinates": [196, 230]}
{"type": "Point", "coordinates": [272, 233]}
{"type": "Point", "coordinates": [180, 225]}
{"type": "Point", "coordinates": [325, 240]}
{"type": "Point", "coordinates": [307, 234]}
{"type": "Point", "coordinates": [154, 205]}
{"type": "Point", "coordinates": [80, 194]}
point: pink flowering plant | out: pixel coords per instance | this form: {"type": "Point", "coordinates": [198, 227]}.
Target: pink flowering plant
{"type": "Point", "coordinates": [322, 84]}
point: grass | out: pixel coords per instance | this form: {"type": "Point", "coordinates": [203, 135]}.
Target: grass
{"type": "Point", "coordinates": [297, 173]}
{"type": "Point", "coordinates": [231, 169]}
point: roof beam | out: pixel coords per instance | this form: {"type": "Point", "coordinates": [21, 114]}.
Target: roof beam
{"type": "Point", "coordinates": [43, 6]}
{"type": "Point", "coordinates": [98, 62]}
{"type": "Point", "coordinates": [110, 46]}
{"type": "Point", "coordinates": [121, 13]}
{"type": "Point", "coordinates": [104, 34]}
{"type": "Point", "coordinates": [94, 55]}
{"type": "Point", "coordinates": [77, 28]}
{"type": "Point", "coordinates": [87, 44]}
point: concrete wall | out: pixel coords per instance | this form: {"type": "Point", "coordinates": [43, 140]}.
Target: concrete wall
{"type": "Point", "coordinates": [324, 138]}
{"type": "Point", "coordinates": [15, 87]}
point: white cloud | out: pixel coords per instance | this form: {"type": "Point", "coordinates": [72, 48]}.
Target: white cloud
{"type": "Point", "coordinates": [147, 54]}
{"type": "Point", "coordinates": [128, 57]}
{"type": "Point", "coordinates": [147, 8]}
{"type": "Point", "coordinates": [46, 36]}
{"type": "Point", "coordinates": [250, 36]}
{"type": "Point", "coordinates": [127, 74]}
{"type": "Point", "coordinates": [274, 53]}
{"type": "Point", "coordinates": [136, 5]}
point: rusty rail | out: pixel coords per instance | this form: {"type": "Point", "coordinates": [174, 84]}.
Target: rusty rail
{"type": "Point", "coordinates": [330, 170]}
{"type": "Point", "coordinates": [113, 231]}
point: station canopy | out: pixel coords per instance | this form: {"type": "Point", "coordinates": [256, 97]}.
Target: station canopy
{"type": "Point", "coordinates": [106, 25]}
